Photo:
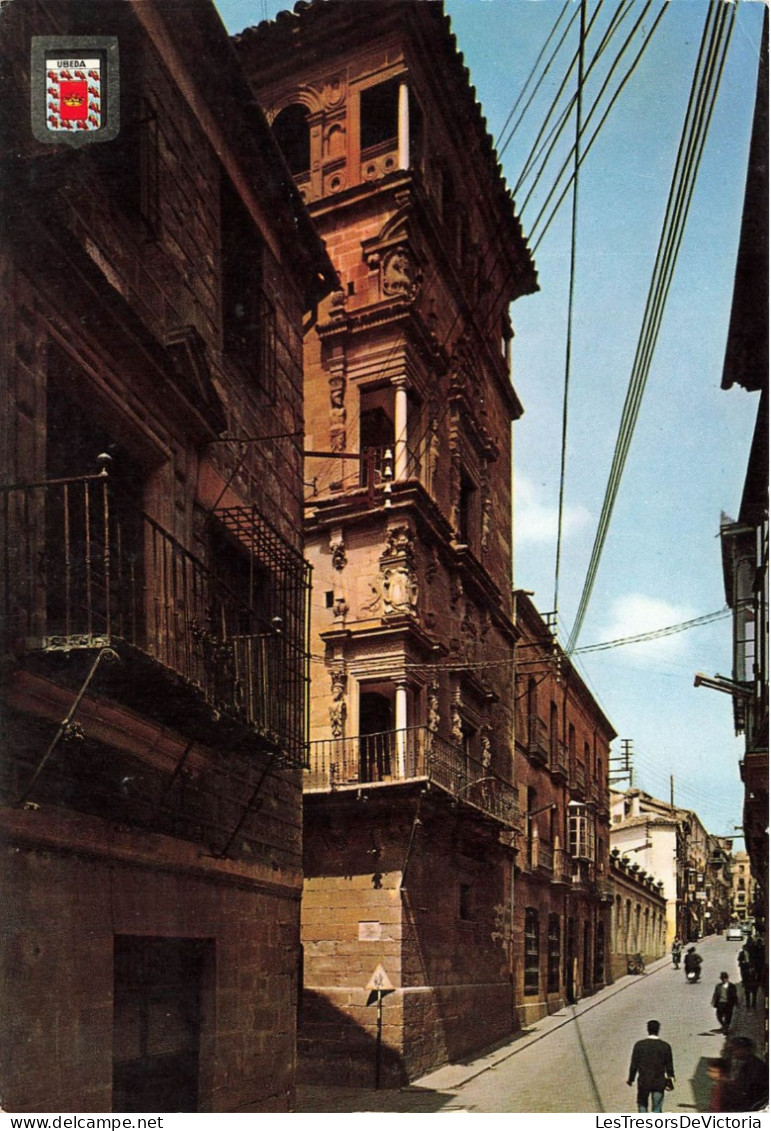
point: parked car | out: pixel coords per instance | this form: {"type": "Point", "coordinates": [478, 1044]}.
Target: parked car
{"type": "Point", "coordinates": [734, 933]}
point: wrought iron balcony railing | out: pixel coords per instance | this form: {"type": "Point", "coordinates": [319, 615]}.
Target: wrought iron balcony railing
{"type": "Point", "coordinates": [82, 569]}
{"type": "Point", "coordinates": [537, 739]}
{"type": "Point", "coordinates": [558, 758]}
{"type": "Point", "coordinates": [407, 755]}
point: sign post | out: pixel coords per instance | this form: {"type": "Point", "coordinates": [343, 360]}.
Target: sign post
{"type": "Point", "coordinates": [378, 985]}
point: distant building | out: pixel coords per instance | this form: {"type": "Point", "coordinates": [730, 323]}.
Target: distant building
{"type": "Point", "coordinates": [742, 888]}
{"type": "Point", "coordinates": [672, 845]}
{"type": "Point", "coordinates": [153, 586]}
{"type": "Point", "coordinates": [639, 918]}
{"type": "Point", "coordinates": [410, 806]}
{"type": "Point", "coordinates": [563, 889]}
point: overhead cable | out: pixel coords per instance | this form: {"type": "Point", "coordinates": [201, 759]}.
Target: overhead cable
{"type": "Point", "coordinates": [704, 90]}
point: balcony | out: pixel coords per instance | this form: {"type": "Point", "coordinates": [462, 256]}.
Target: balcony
{"type": "Point", "coordinates": [540, 856]}
{"type": "Point", "coordinates": [81, 571]}
{"type": "Point", "coordinates": [537, 740]}
{"type": "Point", "coordinates": [578, 777]}
{"type": "Point", "coordinates": [562, 872]}
{"type": "Point", "coordinates": [414, 754]}
{"type": "Point", "coordinates": [558, 759]}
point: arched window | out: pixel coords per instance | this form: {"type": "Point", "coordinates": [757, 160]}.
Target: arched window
{"type": "Point", "coordinates": [532, 951]}
{"type": "Point", "coordinates": [293, 135]}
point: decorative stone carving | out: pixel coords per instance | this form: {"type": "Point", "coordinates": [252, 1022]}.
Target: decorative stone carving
{"type": "Point", "coordinates": [456, 592]}
{"type": "Point", "coordinates": [337, 549]}
{"type": "Point", "coordinates": [434, 717]}
{"type": "Point", "coordinates": [339, 607]}
{"type": "Point", "coordinates": [400, 275]}
{"type": "Point", "coordinates": [433, 449]}
{"type": "Point", "coordinates": [400, 589]}
{"type": "Point", "coordinates": [333, 92]}
{"type": "Point", "coordinates": [487, 750]}
{"type": "Point", "coordinates": [432, 565]}
{"type": "Point", "coordinates": [487, 513]}
{"type": "Point", "coordinates": [400, 541]}
{"type": "Point", "coordinates": [337, 414]}
{"type": "Point", "coordinates": [337, 708]}
{"type": "Point", "coordinates": [456, 724]}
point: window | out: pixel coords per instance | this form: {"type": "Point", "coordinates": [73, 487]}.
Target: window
{"type": "Point", "coordinates": [248, 316]}
{"type": "Point", "coordinates": [466, 904]}
{"type": "Point", "coordinates": [292, 132]}
{"type": "Point", "coordinates": [467, 510]}
{"type": "Point", "coordinates": [379, 107]}
{"type": "Point", "coordinates": [532, 956]}
{"type": "Point", "coordinates": [553, 956]}
{"type": "Point", "coordinates": [580, 832]}
{"type": "Point", "coordinates": [553, 732]}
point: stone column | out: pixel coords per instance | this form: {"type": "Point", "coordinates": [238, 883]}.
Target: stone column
{"type": "Point", "coordinates": [404, 126]}
{"type": "Point", "coordinates": [400, 429]}
{"type": "Point", "coordinates": [401, 729]}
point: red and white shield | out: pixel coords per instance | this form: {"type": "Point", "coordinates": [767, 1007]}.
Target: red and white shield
{"type": "Point", "coordinates": [73, 94]}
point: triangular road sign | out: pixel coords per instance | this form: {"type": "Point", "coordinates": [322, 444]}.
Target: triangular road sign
{"type": "Point", "coordinates": [379, 980]}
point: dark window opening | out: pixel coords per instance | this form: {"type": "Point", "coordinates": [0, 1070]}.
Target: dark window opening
{"type": "Point", "coordinates": [379, 109]}
{"type": "Point", "coordinates": [329, 598]}
{"type": "Point", "coordinates": [248, 315]}
{"type": "Point", "coordinates": [292, 132]}
{"type": "Point", "coordinates": [466, 905]}
{"type": "Point", "coordinates": [532, 954]}
{"type": "Point", "coordinates": [467, 510]}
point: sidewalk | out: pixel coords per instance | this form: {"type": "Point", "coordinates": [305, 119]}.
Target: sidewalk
{"type": "Point", "coordinates": [434, 1092]}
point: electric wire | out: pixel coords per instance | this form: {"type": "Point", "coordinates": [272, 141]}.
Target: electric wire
{"type": "Point", "coordinates": [571, 301]}
{"type": "Point", "coordinates": [704, 89]}
{"type": "Point", "coordinates": [501, 149]}
{"type": "Point", "coordinates": [536, 235]}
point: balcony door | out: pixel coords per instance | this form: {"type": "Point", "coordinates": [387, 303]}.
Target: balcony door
{"type": "Point", "coordinates": [376, 735]}
{"type": "Point", "coordinates": [93, 539]}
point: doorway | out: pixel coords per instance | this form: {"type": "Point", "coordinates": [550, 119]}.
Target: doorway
{"type": "Point", "coordinates": [157, 1022]}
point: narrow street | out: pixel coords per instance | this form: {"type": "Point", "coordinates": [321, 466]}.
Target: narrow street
{"type": "Point", "coordinates": [577, 1060]}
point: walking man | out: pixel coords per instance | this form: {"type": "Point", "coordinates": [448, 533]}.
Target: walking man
{"type": "Point", "coordinates": [652, 1064]}
{"type": "Point", "coordinates": [724, 1002]}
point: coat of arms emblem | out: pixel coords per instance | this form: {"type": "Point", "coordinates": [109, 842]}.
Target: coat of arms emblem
{"type": "Point", "coordinates": [75, 88]}
{"type": "Point", "coordinates": [73, 94]}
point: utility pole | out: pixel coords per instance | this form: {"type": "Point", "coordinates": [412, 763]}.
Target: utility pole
{"type": "Point", "coordinates": [671, 791]}
{"type": "Point", "coordinates": [623, 763]}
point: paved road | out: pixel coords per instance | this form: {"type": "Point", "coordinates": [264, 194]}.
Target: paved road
{"type": "Point", "coordinates": [577, 1060]}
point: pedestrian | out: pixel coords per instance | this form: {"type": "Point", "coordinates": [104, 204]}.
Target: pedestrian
{"type": "Point", "coordinates": [724, 1001]}
{"type": "Point", "coordinates": [692, 965]}
{"type": "Point", "coordinates": [677, 950]}
{"type": "Point", "coordinates": [749, 1076]}
{"type": "Point", "coordinates": [652, 1065]}
{"type": "Point", "coordinates": [750, 979]}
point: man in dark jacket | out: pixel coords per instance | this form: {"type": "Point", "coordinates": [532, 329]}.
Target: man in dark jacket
{"type": "Point", "coordinates": [652, 1064]}
{"type": "Point", "coordinates": [724, 1001]}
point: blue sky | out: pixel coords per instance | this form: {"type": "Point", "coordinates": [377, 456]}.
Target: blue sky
{"type": "Point", "coordinates": [661, 562]}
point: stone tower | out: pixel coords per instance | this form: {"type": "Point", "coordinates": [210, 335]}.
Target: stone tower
{"type": "Point", "coordinates": [410, 807]}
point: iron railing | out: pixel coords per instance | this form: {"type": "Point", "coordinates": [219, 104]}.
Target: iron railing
{"type": "Point", "coordinates": [82, 569]}
{"type": "Point", "coordinates": [537, 739]}
{"type": "Point", "coordinates": [335, 473]}
{"type": "Point", "coordinates": [558, 758]}
{"type": "Point", "coordinates": [540, 854]}
{"type": "Point", "coordinates": [404, 755]}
